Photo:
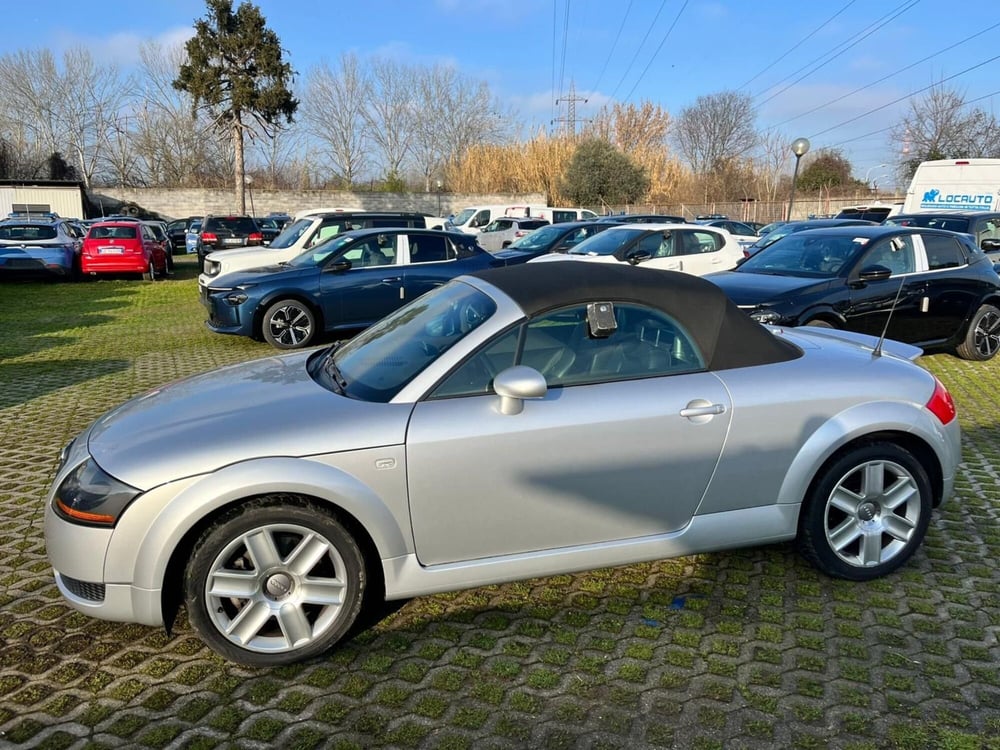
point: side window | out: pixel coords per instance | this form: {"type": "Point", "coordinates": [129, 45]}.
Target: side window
{"type": "Point", "coordinates": [429, 248]}
{"type": "Point", "coordinates": [647, 343]}
{"type": "Point", "coordinates": [560, 216]}
{"type": "Point", "coordinates": [657, 244]}
{"type": "Point", "coordinates": [371, 253]}
{"type": "Point", "coordinates": [942, 252]}
{"type": "Point", "coordinates": [703, 242]}
{"type": "Point", "coordinates": [329, 228]}
{"type": "Point", "coordinates": [896, 254]}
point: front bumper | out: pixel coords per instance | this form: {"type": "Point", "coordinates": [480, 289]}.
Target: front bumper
{"type": "Point", "coordinates": [223, 317]}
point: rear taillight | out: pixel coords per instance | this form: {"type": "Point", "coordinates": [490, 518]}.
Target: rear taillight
{"type": "Point", "coordinates": [209, 237]}
{"type": "Point", "coordinates": [255, 237]}
{"type": "Point", "coordinates": [941, 405]}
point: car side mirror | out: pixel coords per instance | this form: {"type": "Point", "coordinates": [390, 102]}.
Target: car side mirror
{"type": "Point", "coordinates": [338, 266]}
{"type": "Point", "coordinates": [874, 273]}
{"type": "Point", "coordinates": [990, 245]}
{"type": "Point", "coordinates": [506, 243]}
{"type": "Point", "coordinates": [515, 384]}
{"type": "Point", "coordinates": [638, 256]}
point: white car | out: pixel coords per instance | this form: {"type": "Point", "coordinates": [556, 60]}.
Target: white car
{"type": "Point", "coordinates": [302, 234]}
{"type": "Point", "coordinates": [499, 233]}
{"type": "Point", "coordinates": [691, 248]}
{"type": "Point", "coordinates": [742, 233]}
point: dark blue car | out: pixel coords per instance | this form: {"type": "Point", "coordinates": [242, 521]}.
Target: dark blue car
{"type": "Point", "coordinates": [346, 283]}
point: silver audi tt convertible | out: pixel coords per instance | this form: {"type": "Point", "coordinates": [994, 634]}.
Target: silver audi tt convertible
{"type": "Point", "coordinates": [519, 422]}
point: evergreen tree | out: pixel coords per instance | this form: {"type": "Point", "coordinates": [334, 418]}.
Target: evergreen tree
{"type": "Point", "coordinates": [599, 173]}
{"type": "Point", "coordinates": [235, 71]}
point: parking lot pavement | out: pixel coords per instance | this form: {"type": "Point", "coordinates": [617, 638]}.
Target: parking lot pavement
{"type": "Point", "coordinates": [745, 649]}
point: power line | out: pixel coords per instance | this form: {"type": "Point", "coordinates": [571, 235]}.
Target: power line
{"type": "Point", "coordinates": [798, 44]}
{"type": "Point", "coordinates": [662, 41]}
{"type": "Point", "coordinates": [555, 16]}
{"type": "Point", "coordinates": [638, 49]}
{"type": "Point", "coordinates": [911, 94]}
{"type": "Point", "coordinates": [834, 54]}
{"type": "Point", "coordinates": [562, 67]}
{"type": "Point", "coordinates": [885, 78]}
{"type": "Point", "coordinates": [613, 46]}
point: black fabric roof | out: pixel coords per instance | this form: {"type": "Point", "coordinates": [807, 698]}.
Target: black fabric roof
{"type": "Point", "coordinates": [727, 336]}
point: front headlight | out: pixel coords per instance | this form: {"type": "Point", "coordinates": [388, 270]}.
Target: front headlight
{"type": "Point", "coordinates": [90, 496]}
{"type": "Point", "coordinates": [212, 267]}
{"type": "Point", "coordinates": [768, 317]}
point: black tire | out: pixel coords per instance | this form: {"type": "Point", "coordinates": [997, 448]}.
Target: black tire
{"type": "Point", "coordinates": [820, 323]}
{"type": "Point", "coordinates": [150, 273]}
{"type": "Point", "coordinates": [288, 324]}
{"type": "Point", "coordinates": [851, 530]}
{"type": "Point", "coordinates": [253, 603]}
{"type": "Point", "coordinates": [982, 339]}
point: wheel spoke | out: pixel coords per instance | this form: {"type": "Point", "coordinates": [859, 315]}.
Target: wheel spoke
{"type": "Point", "coordinates": [873, 480]}
{"type": "Point", "coordinates": [898, 527]}
{"type": "Point", "coordinates": [309, 551]}
{"type": "Point", "coordinates": [871, 547]}
{"type": "Point", "coordinates": [325, 591]}
{"type": "Point", "coordinates": [902, 491]}
{"type": "Point", "coordinates": [233, 584]}
{"type": "Point", "coordinates": [262, 549]}
{"type": "Point", "coordinates": [294, 624]}
{"type": "Point", "coordinates": [845, 500]}
{"type": "Point", "coordinates": [844, 534]}
{"type": "Point", "coordinates": [249, 621]}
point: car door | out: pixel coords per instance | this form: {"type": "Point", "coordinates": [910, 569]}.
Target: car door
{"type": "Point", "coordinates": [369, 289]}
{"type": "Point", "coordinates": [951, 295]}
{"type": "Point", "coordinates": [902, 294]}
{"type": "Point", "coordinates": [623, 444]}
{"type": "Point", "coordinates": [430, 262]}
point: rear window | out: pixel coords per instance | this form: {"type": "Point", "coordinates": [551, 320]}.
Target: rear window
{"type": "Point", "coordinates": [27, 232]}
{"type": "Point", "coordinates": [236, 224]}
{"type": "Point", "coordinates": [533, 224]}
{"type": "Point", "coordinates": [951, 223]}
{"type": "Point", "coordinates": [118, 233]}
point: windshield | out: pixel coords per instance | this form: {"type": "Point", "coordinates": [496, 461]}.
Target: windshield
{"type": "Point", "coordinates": [377, 363]}
{"type": "Point", "coordinates": [608, 243]}
{"type": "Point", "coordinates": [290, 234]}
{"type": "Point", "coordinates": [537, 240]}
{"type": "Point", "coordinates": [319, 253]}
{"type": "Point", "coordinates": [806, 254]}
{"type": "Point", "coordinates": [463, 216]}
{"type": "Point", "coordinates": [951, 223]}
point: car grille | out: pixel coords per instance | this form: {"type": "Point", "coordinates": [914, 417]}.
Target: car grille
{"type": "Point", "coordinates": [93, 592]}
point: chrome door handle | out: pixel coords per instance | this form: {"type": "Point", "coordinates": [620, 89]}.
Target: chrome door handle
{"type": "Point", "coordinates": [391, 280]}
{"type": "Point", "coordinates": [703, 411]}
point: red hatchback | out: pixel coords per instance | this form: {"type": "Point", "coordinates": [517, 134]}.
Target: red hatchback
{"type": "Point", "coordinates": [122, 247]}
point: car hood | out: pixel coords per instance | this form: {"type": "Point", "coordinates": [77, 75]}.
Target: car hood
{"type": "Point", "coordinates": [746, 288]}
{"type": "Point", "coordinates": [260, 274]}
{"type": "Point", "coordinates": [256, 255]}
{"type": "Point", "coordinates": [267, 407]}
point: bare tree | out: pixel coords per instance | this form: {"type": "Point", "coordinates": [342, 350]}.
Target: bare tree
{"type": "Point", "coordinates": [390, 114]}
{"type": "Point", "coordinates": [770, 162]}
{"type": "Point", "coordinates": [334, 112]}
{"type": "Point", "coordinates": [940, 125]}
{"type": "Point", "coordinates": [716, 129]}
{"type": "Point", "coordinates": [456, 113]}
{"type": "Point", "coordinates": [631, 128]}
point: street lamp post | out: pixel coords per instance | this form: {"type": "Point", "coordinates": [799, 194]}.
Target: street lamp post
{"type": "Point", "coordinates": [439, 185]}
{"type": "Point", "coordinates": [799, 147]}
{"type": "Point", "coordinates": [248, 181]}
{"type": "Point", "coordinates": [868, 185]}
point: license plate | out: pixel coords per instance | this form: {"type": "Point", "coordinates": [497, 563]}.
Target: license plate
{"type": "Point", "coordinates": [110, 250]}
{"type": "Point", "coordinates": [232, 241]}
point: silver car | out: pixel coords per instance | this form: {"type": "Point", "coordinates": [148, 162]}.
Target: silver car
{"type": "Point", "coordinates": [499, 233]}
{"type": "Point", "coordinates": [524, 421]}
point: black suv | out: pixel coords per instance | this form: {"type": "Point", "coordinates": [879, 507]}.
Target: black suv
{"type": "Point", "coordinates": [983, 225]}
{"type": "Point", "coordinates": [226, 233]}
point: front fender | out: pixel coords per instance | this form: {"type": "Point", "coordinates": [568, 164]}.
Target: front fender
{"type": "Point", "coordinates": [857, 422]}
{"type": "Point", "coordinates": [150, 530]}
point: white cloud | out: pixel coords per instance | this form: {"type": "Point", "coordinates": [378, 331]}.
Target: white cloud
{"type": "Point", "coordinates": [121, 48]}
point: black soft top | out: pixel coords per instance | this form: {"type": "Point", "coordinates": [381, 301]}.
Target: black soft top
{"type": "Point", "coordinates": [728, 337]}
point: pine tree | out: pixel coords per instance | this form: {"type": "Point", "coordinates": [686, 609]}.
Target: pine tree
{"type": "Point", "coordinates": [235, 71]}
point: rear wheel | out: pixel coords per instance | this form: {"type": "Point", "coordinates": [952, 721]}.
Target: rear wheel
{"type": "Point", "coordinates": [820, 323]}
{"type": "Point", "coordinates": [982, 339]}
{"type": "Point", "coordinates": [274, 582]}
{"type": "Point", "coordinates": [866, 513]}
{"type": "Point", "coordinates": [288, 324]}
{"type": "Point", "coordinates": [150, 273]}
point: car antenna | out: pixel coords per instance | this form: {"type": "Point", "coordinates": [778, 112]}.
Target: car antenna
{"type": "Point", "coordinates": [877, 351]}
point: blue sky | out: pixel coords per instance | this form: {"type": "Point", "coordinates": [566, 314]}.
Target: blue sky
{"type": "Point", "coordinates": [666, 51]}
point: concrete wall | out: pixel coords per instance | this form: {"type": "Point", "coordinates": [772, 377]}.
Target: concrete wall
{"type": "Point", "coordinates": [177, 203]}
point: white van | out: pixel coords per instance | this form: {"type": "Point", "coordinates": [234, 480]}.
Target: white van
{"type": "Point", "coordinates": [560, 215]}
{"type": "Point", "coordinates": [471, 220]}
{"type": "Point", "coordinates": [964, 184]}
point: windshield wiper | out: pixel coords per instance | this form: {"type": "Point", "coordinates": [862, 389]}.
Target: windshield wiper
{"type": "Point", "coordinates": [332, 371]}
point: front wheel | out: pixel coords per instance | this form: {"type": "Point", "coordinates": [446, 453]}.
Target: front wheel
{"type": "Point", "coordinates": [982, 339]}
{"type": "Point", "coordinates": [274, 582]}
{"type": "Point", "coordinates": [288, 324]}
{"type": "Point", "coordinates": [866, 513]}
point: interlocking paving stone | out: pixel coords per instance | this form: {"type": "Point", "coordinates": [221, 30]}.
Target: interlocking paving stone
{"type": "Point", "coordinates": [745, 649]}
